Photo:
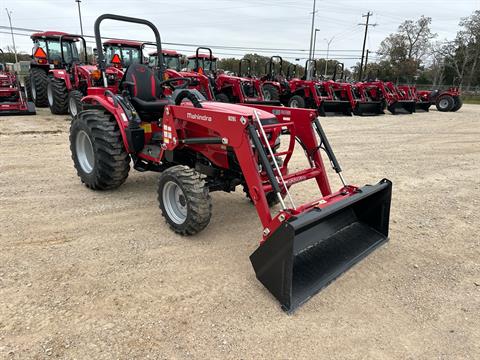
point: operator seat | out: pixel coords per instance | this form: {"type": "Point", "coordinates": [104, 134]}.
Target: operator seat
{"type": "Point", "coordinates": [145, 91]}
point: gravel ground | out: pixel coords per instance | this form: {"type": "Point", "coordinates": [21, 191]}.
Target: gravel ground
{"type": "Point", "coordinates": [98, 275]}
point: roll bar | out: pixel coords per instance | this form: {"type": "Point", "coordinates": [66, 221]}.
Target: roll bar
{"type": "Point", "coordinates": [335, 71]}
{"type": "Point", "coordinates": [307, 63]}
{"type": "Point", "coordinates": [98, 41]}
{"type": "Point", "coordinates": [210, 57]}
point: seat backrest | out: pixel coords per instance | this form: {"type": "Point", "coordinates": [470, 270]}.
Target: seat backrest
{"type": "Point", "coordinates": [146, 85]}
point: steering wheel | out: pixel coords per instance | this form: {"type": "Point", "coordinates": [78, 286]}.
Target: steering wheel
{"type": "Point", "coordinates": [169, 83]}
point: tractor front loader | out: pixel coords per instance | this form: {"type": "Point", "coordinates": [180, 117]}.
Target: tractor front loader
{"type": "Point", "coordinates": [200, 146]}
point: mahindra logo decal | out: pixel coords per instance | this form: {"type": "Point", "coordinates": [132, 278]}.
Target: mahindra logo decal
{"type": "Point", "coordinates": [199, 117]}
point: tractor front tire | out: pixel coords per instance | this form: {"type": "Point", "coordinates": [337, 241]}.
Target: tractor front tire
{"type": "Point", "coordinates": [57, 94]}
{"type": "Point", "coordinates": [296, 101]}
{"type": "Point", "coordinates": [74, 103]}
{"type": "Point", "coordinates": [98, 153]}
{"type": "Point", "coordinates": [28, 87]}
{"type": "Point", "coordinates": [184, 200]}
{"type": "Point", "coordinates": [458, 103]}
{"type": "Point", "coordinates": [445, 103]}
{"type": "Point", "coordinates": [38, 86]}
{"type": "Point", "coordinates": [270, 93]}
{"type": "Point", "coordinates": [222, 98]}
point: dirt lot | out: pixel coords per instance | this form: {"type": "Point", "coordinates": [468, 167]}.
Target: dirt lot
{"type": "Point", "coordinates": [98, 275]}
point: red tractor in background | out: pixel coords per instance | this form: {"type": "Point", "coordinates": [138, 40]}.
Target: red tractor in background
{"type": "Point", "coordinates": [274, 84]}
{"type": "Point", "coordinates": [68, 83]}
{"type": "Point", "coordinates": [13, 99]}
{"type": "Point", "coordinates": [444, 100]}
{"type": "Point", "coordinates": [388, 94]}
{"type": "Point", "coordinates": [123, 53]}
{"type": "Point", "coordinates": [201, 146]}
{"type": "Point", "coordinates": [46, 56]}
{"type": "Point", "coordinates": [172, 59]}
{"type": "Point", "coordinates": [360, 103]}
{"type": "Point", "coordinates": [227, 88]}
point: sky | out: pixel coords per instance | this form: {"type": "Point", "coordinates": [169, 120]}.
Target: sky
{"type": "Point", "coordinates": [234, 27]}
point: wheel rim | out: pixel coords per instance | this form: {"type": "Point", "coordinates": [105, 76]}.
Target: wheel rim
{"type": "Point", "coordinates": [294, 103]}
{"type": "Point", "coordinates": [73, 107]}
{"type": "Point", "coordinates": [266, 95]}
{"type": "Point", "coordinates": [50, 94]}
{"type": "Point", "coordinates": [443, 103]}
{"type": "Point", "coordinates": [34, 90]}
{"type": "Point", "coordinates": [85, 153]}
{"type": "Point", "coordinates": [175, 202]}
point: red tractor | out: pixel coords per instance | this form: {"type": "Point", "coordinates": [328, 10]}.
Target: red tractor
{"type": "Point", "coordinates": [387, 93]}
{"type": "Point", "coordinates": [360, 103]}
{"type": "Point", "coordinates": [227, 88]}
{"type": "Point", "coordinates": [13, 100]}
{"type": "Point", "coordinates": [327, 97]}
{"type": "Point", "coordinates": [201, 146]}
{"type": "Point", "coordinates": [274, 84]}
{"type": "Point", "coordinates": [172, 59]}
{"type": "Point", "coordinates": [46, 56]}
{"type": "Point", "coordinates": [123, 53]}
{"type": "Point", "coordinates": [68, 83]}
{"type": "Point", "coordinates": [444, 100]}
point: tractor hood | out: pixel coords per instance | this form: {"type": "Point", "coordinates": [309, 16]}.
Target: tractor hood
{"type": "Point", "coordinates": [235, 109]}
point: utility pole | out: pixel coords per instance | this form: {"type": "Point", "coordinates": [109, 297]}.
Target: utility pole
{"type": "Point", "coordinates": [80, 16]}
{"type": "Point", "coordinates": [9, 13]}
{"type": "Point", "coordinates": [366, 62]}
{"type": "Point", "coordinates": [309, 73]}
{"type": "Point", "coordinates": [314, 42]}
{"type": "Point", "coordinates": [328, 50]}
{"type": "Point", "coordinates": [364, 42]}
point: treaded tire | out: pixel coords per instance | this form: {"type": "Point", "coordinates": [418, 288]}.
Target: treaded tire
{"type": "Point", "coordinates": [38, 87]}
{"type": "Point", "coordinates": [74, 102]}
{"type": "Point", "coordinates": [449, 103]}
{"type": "Point", "coordinates": [222, 98]}
{"type": "Point", "coordinates": [58, 98]}
{"type": "Point", "coordinates": [111, 162]}
{"type": "Point", "coordinates": [296, 101]}
{"type": "Point", "coordinates": [270, 93]}
{"type": "Point", "coordinates": [458, 103]}
{"type": "Point", "coordinates": [28, 87]}
{"type": "Point", "coordinates": [196, 197]}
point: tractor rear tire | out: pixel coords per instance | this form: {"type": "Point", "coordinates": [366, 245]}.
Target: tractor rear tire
{"type": "Point", "coordinates": [184, 200]}
{"type": "Point", "coordinates": [38, 86]}
{"type": "Point", "coordinates": [28, 87]}
{"type": "Point", "coordinates": [445, 103]}
{"type": "Point", "coordinates": [74, 103]}
{"type": "Point", "coordinates": [296, 101]}
{"type": "Point", "coordinates": [98, 153]}
{"type": "Point", "coordinates": [458, 103]}
{"type": "Point", "coordinates": [222, 98]}
{"type": "Point", "coordinates": [270, 93]}
{"type": "Point", "coordinates": [57, 94]}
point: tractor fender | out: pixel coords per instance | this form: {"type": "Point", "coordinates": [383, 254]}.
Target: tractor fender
{"type": "Point", "coordinates": [62, 75]}
{"type": "Point", "coordinates": [107, 103]}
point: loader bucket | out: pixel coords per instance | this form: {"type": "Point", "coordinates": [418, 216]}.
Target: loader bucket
{"type": "Point", "coordinates": [369, 108]}
{"type": "Point", "coordinates": [402, 107]}
{"type": "Point", "coordinates": [307, 253]}
{"type": "Point", "coordinates": [422, 106]}
{"type": "Point", "coordinates": [335, 108]}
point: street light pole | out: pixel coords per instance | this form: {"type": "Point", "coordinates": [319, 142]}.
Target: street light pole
{"type": "Point", "coordinates": [9, 13]}
{"type": "Point", "coordinates": [80, 16]}
{"type": "Point", "coordinates": [328, 50]}
{"type": "Point", "coordinates": [309, 74]}
{"type": "Point", "coordinates": [314, 42]}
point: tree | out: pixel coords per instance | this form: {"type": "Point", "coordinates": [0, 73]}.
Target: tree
{"type": "Point", "coordinates": [406, 49]}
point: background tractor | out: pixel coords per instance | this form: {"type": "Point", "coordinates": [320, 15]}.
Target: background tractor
{"type": "Point", "coordinates": [13, 99]}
